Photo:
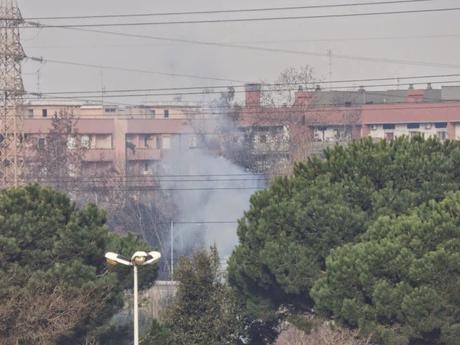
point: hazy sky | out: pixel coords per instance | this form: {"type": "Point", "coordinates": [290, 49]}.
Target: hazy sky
{"type": "Point", "coordinates": [389, 37]}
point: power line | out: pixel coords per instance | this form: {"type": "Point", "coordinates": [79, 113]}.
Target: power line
{"type": "Point", "coordinates": [241, 20]}
{"type": "Point", "coordinates": [144, 179]}
{"type": "Point", "coordinates": [225, 87]}
{"type": "Point", "coordinates": [255, 48]}
{"type": "Point", "coordinates": [266, 9]}
{"type": "Point", "coordinates": [274, 114]}
{"type": "Point", "coordinates": [184, 222]}
{"type": "Point", "coordinates": [191, 76]}
{"type": "Point", "coordinates": [341, 39]}
{"type": "Point", "coordinates": [196, 93]}
{"type": "Point", "coordinates": [199, 108]}
{"type": "Point", "coordinates": [305, 40]}
{"type": "Point", "coordinates": [149, 188]}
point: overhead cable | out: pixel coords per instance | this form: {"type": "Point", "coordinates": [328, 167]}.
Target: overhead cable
{"type": "Point", "coordinates": [242, 20]}
{"type": "Point", "coordinates": [238, 10]}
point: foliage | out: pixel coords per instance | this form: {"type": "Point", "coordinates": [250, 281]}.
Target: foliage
{"type": "Point", "coordinates": [205, 311]}
{"type": "Point", "coordinates": [324, 333]}
{"type": "Point", "coordinates": [157, 335]}
{"type": "Point", "coordinates": [54, 285]}
{"type": "Point", "coordinates": [58, 156]}
{"type": "Point", "coordinates": [291, 227]}
{"type": "Point", "coordinates": [402, 281]}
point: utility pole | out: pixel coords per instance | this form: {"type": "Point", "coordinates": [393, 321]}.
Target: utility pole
{"type": "Point", "coordinates": [172, 251]}
{"type": "Point", "coordinates": [12, 90]}
{"type": "Point", "coordinates": [329, 54]}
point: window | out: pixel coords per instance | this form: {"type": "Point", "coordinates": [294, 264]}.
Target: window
{"type": "Point", "coordinates": [110, 110]}
{"type": "Point", "coordinates": [103, 141]}
{"type": "Point", "coordinates": [388, 126]}
{"type": "Point", "coordinates": [85, 141]}
{"type": "Point", "coordinates": [71, 142]}
{"type": "Point", "coordinates": [413, 126]}
{"type": "Point", "coordinates": [414, 134]}
{"type": "Point", "coordinates": [41, 143]}
{"type": "Point", "coordinates": [166, 141]}
{"type": "Point", "coordinates": [158, 142]}
{"type": "Point", "coordinates": [152, 112]}
{"type": "Point", "coordinates": [389, 136]}
{"type": "Point", "coordinates": [440, 125]}
{"type": "Point", "coordinates": [44, 112]}
{"type": "Point", "coordinates": [166, 112]}
{"type": "Point", "coordinates": [193, 142]}
{"type": "Point", "coordinates": [147, 141]}
{"type": "Point", "coordinates": [30, 112]}
{"type": "Point", "coordinates": [442, 135]}
{"type": "Point", "coordinates": [24, 138]}
{"type": "Point", "coordinates": [263, 139]}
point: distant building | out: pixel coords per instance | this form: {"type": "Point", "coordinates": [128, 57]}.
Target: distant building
{"type": "Point", "coordinates": [320, 118]}
{"type": "Point", "coordinates": [130, 140]}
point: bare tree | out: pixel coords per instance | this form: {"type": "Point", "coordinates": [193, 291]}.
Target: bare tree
{"type": "Point", "coordinates": [57, 156]}
{"type": "Point", "coordinates": [281, 92]}
{"type": "Point", "coordinates": [326, 333]}
{"type": "Point", "coordinates": [45, 315]}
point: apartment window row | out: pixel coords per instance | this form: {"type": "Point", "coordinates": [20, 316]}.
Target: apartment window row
{"type": "Point", "coordinates": [93, 141]}
{"type": "Point", "coordinates": [149, 141]}
{"type": "Point", "coordinates": [153, 113]}
{"type": "Point", "coordinates": [442, 135]}
{"type": "Point", "coordinates": [391, 126]}
{"type": "Point", "coordinates": [45, 113]}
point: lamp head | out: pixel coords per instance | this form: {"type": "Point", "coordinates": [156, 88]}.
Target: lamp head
{"type": "Point", "coordinates": [115, 259]}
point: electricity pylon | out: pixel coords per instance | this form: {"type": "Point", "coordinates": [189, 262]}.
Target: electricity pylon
{"type": "Point", "coordinates": [12, 91]}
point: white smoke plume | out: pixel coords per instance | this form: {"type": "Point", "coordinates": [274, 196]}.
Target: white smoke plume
{"type": "Point", "coordinates": [210, 192]}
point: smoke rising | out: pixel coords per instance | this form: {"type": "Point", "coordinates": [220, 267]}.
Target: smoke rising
{"type": "Point", "coordinates": [210, 200]}
{"type": "Point", "coordinates": [210, 192]}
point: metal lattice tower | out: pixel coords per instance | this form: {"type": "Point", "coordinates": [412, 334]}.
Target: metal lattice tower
{"type": "Point", "coordinates": [12, 91]}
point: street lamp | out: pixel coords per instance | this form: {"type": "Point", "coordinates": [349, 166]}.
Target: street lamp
{"type": "Point", "coordinates": [138, 259]}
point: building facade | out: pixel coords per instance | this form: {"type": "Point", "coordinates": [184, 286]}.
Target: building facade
{"type": "Point", "coordinates": [317, 119]}
{"type": "Point", "coordinates": [130, 141]}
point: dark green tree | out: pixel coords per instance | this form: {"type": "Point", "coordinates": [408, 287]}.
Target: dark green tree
{"type": "Point", "coordinates": [291, 227]}
{"type": "Point", "coordinates": [204, 311]}
{"type": "Point", "coordinates": [402, 281]}
{"type": "Point", "coordinates": [54, 284]}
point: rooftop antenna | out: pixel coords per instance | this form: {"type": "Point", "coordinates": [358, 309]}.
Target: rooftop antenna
{"type": "Point", "coordinates": [329, 54]}
{"type": "Point", "coordinates": [102, 87]}
{"type": "Point", "coordinates": [39, 81]}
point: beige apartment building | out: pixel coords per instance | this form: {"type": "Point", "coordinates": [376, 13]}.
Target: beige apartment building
{"type": "Point", "coordinates": [131, 140]}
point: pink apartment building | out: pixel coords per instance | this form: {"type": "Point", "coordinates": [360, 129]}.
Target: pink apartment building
{"type": "Point", "coordinates": [130, 140]}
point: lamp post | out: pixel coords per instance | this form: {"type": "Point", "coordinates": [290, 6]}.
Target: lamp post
{"type": "Point", "coordinates": [138, 259]}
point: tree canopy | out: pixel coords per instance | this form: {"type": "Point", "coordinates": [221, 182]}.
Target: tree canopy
{"type": "Point", "coordinates": [402, 280]}
{"type": "Point", "coordinates": [291, 227]}
{"type": "Point", "coordinates": [54, 284]}
{"type": "Point", "coordinates": [203, 311]}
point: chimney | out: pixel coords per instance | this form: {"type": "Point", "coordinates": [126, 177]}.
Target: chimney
{"type": "Point", "coordinates": [429, 86]}
{"type": "Point", "coordinates": [253, 95]}
{"type": "Point", "coordinates": [415, 96]}
{"type": "Point", "coordinates": [303, 98]}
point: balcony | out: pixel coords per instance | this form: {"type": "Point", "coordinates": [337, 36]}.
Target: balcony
{"type": "Point", "coordinates": [100, 155]}
{"type": "Point", "coordinates": [143, 154]}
